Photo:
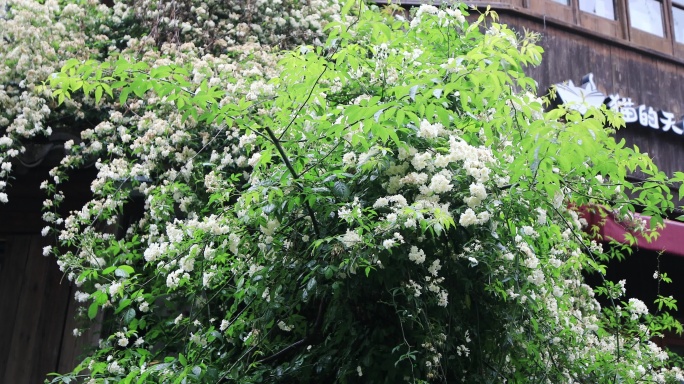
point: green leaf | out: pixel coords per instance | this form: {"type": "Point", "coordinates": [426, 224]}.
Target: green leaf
{"type": "Point", "coordinates": [123, 97]}
{"type": "Point", "coordinates": [124, 271]}
{"type": "Point", "coordinates": [92, 310]}
{"type": "Point", "coordinates": [129, 315]}
{"type": "Point", "coordinates": [341, 190]}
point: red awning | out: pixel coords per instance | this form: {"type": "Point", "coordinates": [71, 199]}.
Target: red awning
{"type": "Point", "coordinates": [670, 239]}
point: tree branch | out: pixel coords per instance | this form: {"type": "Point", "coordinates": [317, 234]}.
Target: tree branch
{"type": "Point", "coordinates": [290, 168]}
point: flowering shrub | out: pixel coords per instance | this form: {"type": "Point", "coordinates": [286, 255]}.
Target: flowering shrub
{"type": "Point", "coordinates": [388, 205]}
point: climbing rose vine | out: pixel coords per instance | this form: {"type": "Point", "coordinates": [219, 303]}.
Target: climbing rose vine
{"type": "Point", "coordinates": [387, 202]}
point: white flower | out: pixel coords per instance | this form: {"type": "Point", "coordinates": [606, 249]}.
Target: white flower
{"type": "Point", "coordinates": [3, 197]}
{"type": "Point", "coordinates": [284, 327]}
{"type": "Point", "coordinates": [429, 131]}
{"type": "Point", "coordinates": [173, 279]}
{"type": "Point", "coordinates": [45, 231]}
{"type": "Point", "coordinates": [435, 267]}
{"type": "Point", "coordinates": [349, 159]}
{"type": "Point", "coordinates": [541, 216]}
{"type": "Point", "coordinates": [416, 255]}
{"type": "Point", "coordinates": [206, 278]}
{"type": "Point", "coordinates": [440, 184]}
{"type": "Point", "coordinates": [637, 308]}
{"type": "Point", "coordinates": [478, 191]}
{"type": "Point", "coordinates": [350, 238]}
{"type": "Point", "coordinates": [417, 289]}
{"type": "Point", "coordinates": [359, 371]}
{"type": "Point", "coordinates": [81, 297]}
{"type": "Point", "coordinates": [456, 14]}
{"type": "Point", "coordinates": [115, 288]}
{"type": "Point", "coordinates": [558, 199]}
{"type": "Point", "coordinates": [388, 243]}
{"type": "Point", "coordinates": [528, 231]}
{"type": "Point", "coordinates": [381, 202]}
{"type": "Point", "coordinates": [531, 262]}
{"type": "Point", "coordinates": [483, 217]}
{"type": "Point", "coordinates": [425, 8]}
{"type": "Point", "coordinates": [421, 160]}
{"type": "Point", "coordinates": [468, 218]}
{"type": "Point", "coordinates": [115, 368]}
{"type": "Point", "coordinates": [344, 213]}
{"type": "Point", "coordinates": [254, 160]}
{"type": "Point", "coordinates": [178, 319]}
{"type": "Point", "coordinates": [442, 298]}
{"type": "Point", "coordinates": [187, 263]}
{"type": "Point", "coordinates": [144, 306]}
{"type": "Point", "coordinates": [224, 325]}
{"type": "Point", "coordinates": [198, 339]}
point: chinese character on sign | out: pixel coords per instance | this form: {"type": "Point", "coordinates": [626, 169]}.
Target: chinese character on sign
{"type": "Point", "coordinates": [670, 123]}
{"type": "Point", "coordinates": [647, 117]}
{"type": "Point", "coordinates": [586, 95]}
{"type": "Point", "coordinates": [623, 105]}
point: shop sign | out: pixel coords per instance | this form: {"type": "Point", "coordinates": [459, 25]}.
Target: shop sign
{"type": "Point", "coordinates": [586, 94]}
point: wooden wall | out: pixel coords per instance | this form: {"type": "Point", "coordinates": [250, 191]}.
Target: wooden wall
{"type": "Point", "coordinates": [34, 306]}
{"type": "Point", "coordinates": [645, 77]}
{"type": "Point", "coordinates": [37, 309]}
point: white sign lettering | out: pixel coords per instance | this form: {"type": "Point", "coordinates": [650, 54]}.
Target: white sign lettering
{"type": "Point", "coordinates": [587, 95]}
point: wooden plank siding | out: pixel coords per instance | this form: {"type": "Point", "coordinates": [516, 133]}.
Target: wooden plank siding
{"type": "Point", "coordinates": [33, 306]}
{"type": "Point", "coordinates": [646, 79]}
{"type": "Point", "coordinates": [11, 277]}
{"type": "Point", "coordinates": [37, 309]}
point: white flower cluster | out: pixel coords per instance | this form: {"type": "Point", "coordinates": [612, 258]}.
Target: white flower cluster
{"type": "Point", "coordinates": [446, 17]}
{"type": "Point", "coordinates": [26, 60]}
{"type": "Point", "coordinates": [637, 308]}
{"type": "Point", "coordinates": [201, 22]}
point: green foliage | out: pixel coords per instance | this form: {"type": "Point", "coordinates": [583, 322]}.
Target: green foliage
{"type": "Point", "coordinates": [390, 205]}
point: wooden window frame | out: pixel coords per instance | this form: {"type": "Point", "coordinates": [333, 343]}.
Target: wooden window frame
{"type": "Point", "coordinates": [620, 28]}
{"type": "Point", "coordinates": [556, 10]}
{"type": "Point", "coordinates": [647, 39]}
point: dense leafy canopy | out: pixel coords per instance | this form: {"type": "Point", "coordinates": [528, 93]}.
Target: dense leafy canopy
{"type": "Point", "coordinates": [388, 203]}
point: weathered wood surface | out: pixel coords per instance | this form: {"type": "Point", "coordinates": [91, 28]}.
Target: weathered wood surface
{"type": "Point", "coordinates": [11, 277]}
{"type": "Point", "coordinates": [646, 79]}
{"type": "Point", "coordinates": [32, 311]}
{"type": "Point", "coordinates": [37, 308]}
